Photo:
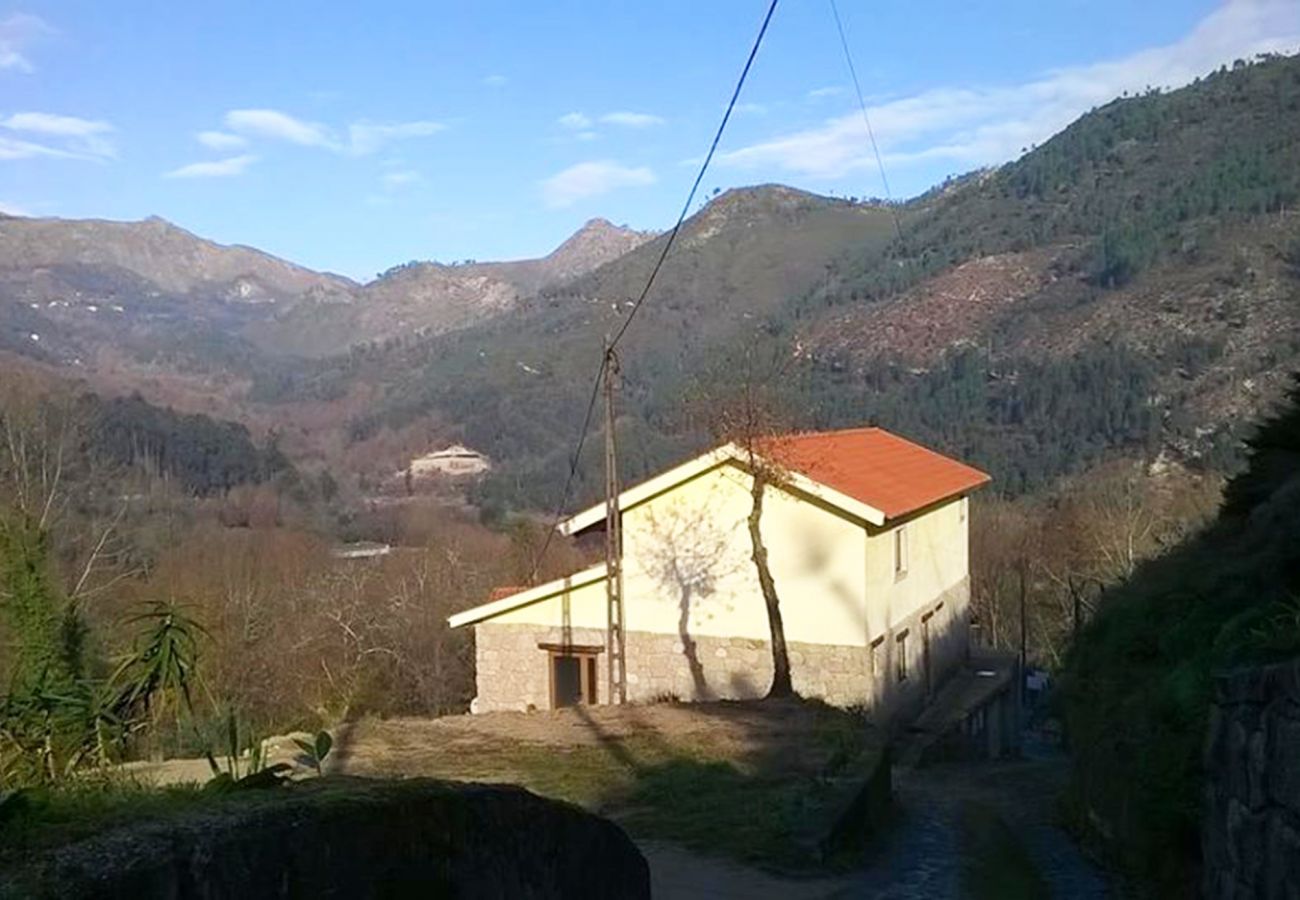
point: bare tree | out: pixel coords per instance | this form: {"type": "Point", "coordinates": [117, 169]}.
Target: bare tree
{"type": "Point", "coordinates": [749, 417]}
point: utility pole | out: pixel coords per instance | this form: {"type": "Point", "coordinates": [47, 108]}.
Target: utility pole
{"type": "Point", "coordinates": [614, 644]}
{"type": "Point", "coordinates": [1024, 638]}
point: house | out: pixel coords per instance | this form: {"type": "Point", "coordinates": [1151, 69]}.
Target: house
{"type": "Point", "coordinates": [361, 550]}
{"type": "Point", "coordinates": [867, 536]}
{"type": "Point", "coordinates": [456, 461]}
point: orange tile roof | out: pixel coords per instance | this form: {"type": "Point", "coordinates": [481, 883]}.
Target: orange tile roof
{"type": "Point", "coordinates": [500, 593]}
{"type": "Point", "coordinates": [877, 468]}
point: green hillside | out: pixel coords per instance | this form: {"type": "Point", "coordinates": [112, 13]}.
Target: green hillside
{"type": "Point", "coordinates": [1154, 243]}
{"type": "Point", "coordinates": [1136, 689]}
{"type": "Point", "coordinates": [1134, 180]}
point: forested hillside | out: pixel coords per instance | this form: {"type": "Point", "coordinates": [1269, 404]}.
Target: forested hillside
{"type": "Point", "coordinates": [203, 455]}
{"type": "Point", "coordinates": [1130, 286]}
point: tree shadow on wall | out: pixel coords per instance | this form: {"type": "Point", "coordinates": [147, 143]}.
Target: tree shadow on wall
{"type": "Point", "coordinates": [687, 554]}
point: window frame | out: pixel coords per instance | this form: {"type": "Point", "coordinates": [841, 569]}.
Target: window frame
{"type": "Point", "coordinates": [900, 552]}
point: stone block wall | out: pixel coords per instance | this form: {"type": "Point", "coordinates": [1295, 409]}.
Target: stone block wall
{"type": "Point", "coordinates": [1250, 837]}
{"type": "Point", "coordinates": [512, 668]}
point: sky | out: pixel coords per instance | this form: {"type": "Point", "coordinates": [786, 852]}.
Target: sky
{"type": "Point", "coordinates": [351, 137]}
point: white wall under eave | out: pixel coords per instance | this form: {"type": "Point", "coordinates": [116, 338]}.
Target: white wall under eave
{"type": "Point", "coordinates": [689, 563]}
{"type": "Point", "coordinates": [938, 542]}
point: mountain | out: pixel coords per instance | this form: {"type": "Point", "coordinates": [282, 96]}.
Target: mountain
{"type": "Point", "coordinates": [1131, 286]}
{"type": "Point", "coordinates": [148, 290]}
{"type": "Point", "coordinates": [421, 298]}
{"type": "Point", "coordinates": [1158, 228]}
{"type": "Point", "coordinates": [171, 259]}
{"type": "Point", "coordinates": [512, 383]}
{"type": "Point", "coordinates": [597, 242]}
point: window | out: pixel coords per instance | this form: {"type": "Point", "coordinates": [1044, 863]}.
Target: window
{"type": "Point", "coordinates": [875, 652]}
{"type": "Point", "coordinates": [900, 551]}
{"type": "Point", "coordinates": [900, 657]}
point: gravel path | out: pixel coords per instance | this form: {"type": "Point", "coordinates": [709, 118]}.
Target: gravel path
{"type": "Point", "coordinates": [921, 858]}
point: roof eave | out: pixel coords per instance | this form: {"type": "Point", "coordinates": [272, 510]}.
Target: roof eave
{"type": "Point", "coordinates": [541, 592]}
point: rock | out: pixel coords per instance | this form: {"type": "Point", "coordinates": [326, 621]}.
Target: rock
{"type": "Point", "coordinates": [1250, 837]}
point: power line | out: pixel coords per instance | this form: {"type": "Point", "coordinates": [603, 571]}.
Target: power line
{"type": "Point", "coordinates": [690, 198]}
{"type": "Point", "coordinates": [645, 292]}
{"type": "Point", "coordinates": [866, 120]}
{"type": "Point", "coordinates": [573, 468]}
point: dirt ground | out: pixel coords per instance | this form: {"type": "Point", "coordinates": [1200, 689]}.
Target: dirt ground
{"type": "Point", "coordinates": [749, 733]}
{"type": "Point", "coordinates": [597, 757]}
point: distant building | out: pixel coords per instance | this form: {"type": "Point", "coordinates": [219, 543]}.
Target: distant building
{"type": "Point", "coordinates": [361, 550]}
{"type": "Point", "coordinates": [455, 461]}
{"type": "Point", "coordinates": [867, 536]}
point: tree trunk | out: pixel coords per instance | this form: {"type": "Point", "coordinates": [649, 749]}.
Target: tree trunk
{"type": "Point", "coordinates": [781, 685]}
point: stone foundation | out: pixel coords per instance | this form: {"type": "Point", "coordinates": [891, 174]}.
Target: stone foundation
{"type": "Point", "coordinates": [513, 667]}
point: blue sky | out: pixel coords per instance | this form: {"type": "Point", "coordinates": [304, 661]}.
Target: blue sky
{"type": "Point", "coordinates": [351, 137]}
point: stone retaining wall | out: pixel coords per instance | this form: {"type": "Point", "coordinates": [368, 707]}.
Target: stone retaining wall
{"type": "Point", "coordinates": [349, 837]}
{"type": "Point", "coordinates": [1251, 834]}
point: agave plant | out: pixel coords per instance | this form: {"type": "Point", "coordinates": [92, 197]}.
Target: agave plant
{"type": "Point", "coordinates": [159, 675]}
{"type": "Point", "coordinates": [316, 749]}
{"type": "Point", "coordinates": [245, 761]}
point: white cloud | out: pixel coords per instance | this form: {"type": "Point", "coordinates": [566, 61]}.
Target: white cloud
{"type": "Point", "coordinates": [631, 119]}
{"type": "Point", "coordinates": [575, 120]}
{"type": "Point", "coordinates": [13, 209]}
{"type": "Point", "coordinates": [67, 137]}
{"type": "Point", "coordinates": [590, 179]}
{"type": "Point", "coordinates": [751, 109]}
{"type": "Point", "coordinates": [49, 123]}
{"type": "Point", "coordinates": [496, 81]}
{"type": "Point", "coordinates": [400, 178]}
{"type": "Point", "coordinates": [369, 137]}
{"type": "Point", "coordinates": [362, 137]}
{"type": "Point", "coordinates": [221, 140]}
{"type": "Point", "coordinates": [823, 93]}
{"type": "Point", "coordinates": [278, 126]}
{"type": "Point", "coordinates": [17, 31]}
{"type": "Point", "coordinates": [217, 168]}
{"type": "Point", "coordinates": [969, 127]}
{"type": "Point", "coordinates": [14, 148]}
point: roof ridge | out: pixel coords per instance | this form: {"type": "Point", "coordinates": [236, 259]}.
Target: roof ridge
{"type": "Point", "coordinates": [858, 429]}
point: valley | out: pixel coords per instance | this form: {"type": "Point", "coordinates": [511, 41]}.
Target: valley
{"type": "Point", "coordinates": [1113, 241]}
{"type": "Point", "coordinates": [241, 497]}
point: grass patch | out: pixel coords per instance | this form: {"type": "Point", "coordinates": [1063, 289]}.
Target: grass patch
{"type": "Point", "coordinates": [755, 782]}
{"type": "Point", "coordinates": [40, 818]}
{"type": "Point", "coordinates": [690, 795]}
{"type": "Point", "coordinates": [716, 808]}
{"type": "Point", "coordinates": [994, 864]}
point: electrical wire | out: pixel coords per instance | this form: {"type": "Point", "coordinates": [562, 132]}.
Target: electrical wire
{"type": "Point", "coordinates": [645, 292]}
{"type": "Point", "coordinates": [866, 120]}
{"type": "Point", "coordinates": [690, 198]}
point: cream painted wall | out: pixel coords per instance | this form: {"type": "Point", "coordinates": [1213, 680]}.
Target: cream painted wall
{"type": "Point", "coordinates": [687, 567]}
{"type": "Point", "coordinates": [938, 550]}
